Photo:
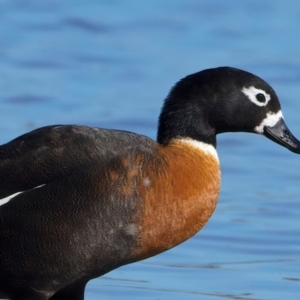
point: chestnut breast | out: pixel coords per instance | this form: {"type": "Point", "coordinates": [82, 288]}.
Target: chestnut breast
{"type": "Point", "coordinates": [180, 192]}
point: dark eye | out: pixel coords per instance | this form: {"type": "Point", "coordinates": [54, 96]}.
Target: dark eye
{"type": "Point", "coordinates": [261, 97]}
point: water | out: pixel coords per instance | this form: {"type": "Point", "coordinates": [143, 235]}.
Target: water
{"type": "Point", "coordinates": [110, 64]}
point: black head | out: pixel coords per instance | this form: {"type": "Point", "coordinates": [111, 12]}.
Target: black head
{"type": "Point", "coordinates": [219, 100]}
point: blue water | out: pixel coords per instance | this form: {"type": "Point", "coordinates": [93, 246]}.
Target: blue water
{"type": "Point", "coordinates": [110, 63]}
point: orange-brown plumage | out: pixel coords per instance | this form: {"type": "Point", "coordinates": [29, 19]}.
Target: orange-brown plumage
{"type": "Point", "coordinates": [180, 195]}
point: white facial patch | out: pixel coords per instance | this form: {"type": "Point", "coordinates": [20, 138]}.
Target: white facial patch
{"type": "Point", "coordinates": [8, 198]}
{"type": "Point", "coordinates": [270, 120]}
{"type": "Point", "coordinates": [252, 92]}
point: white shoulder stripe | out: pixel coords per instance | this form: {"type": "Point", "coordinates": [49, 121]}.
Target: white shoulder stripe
{"type": "Point", "coordinates": [8, 198]}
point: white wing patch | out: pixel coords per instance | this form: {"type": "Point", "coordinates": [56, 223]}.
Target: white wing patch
{"type": "Point", "coordinates": [251, 93]}
{"type": "Point", "coordinates": [8, 198]}
{"type": "Point", "coordinates": [270, 120]}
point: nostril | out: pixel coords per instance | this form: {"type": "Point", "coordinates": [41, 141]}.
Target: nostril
{"type": "Point", "coordinates": [286, 134]}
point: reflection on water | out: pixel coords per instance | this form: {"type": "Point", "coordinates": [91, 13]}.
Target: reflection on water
{"type": "Point", "coordinates": [110, 64]}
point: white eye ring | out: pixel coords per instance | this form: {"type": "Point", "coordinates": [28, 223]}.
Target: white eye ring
{"type": "Point", "coordinates": [251, 93]}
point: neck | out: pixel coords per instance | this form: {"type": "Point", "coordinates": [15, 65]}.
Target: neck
{"type": "Point", "coordinates": [192, 130]}
{"type": "Point", "coordinates": [184, 121]}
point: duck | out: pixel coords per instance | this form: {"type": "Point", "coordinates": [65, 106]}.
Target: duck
{"type": "Point", "coordinates": [78, 202]}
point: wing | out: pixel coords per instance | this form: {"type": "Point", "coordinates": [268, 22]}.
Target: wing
{"type": "Point", "coordinates": [50, 153]}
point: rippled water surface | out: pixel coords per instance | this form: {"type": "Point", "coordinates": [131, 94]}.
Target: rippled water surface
{"type": "Point", "coordinates": [110, 64]}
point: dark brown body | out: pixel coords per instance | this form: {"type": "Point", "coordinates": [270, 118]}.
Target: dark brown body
{"type": "Point", "coordinates": [117, 210]}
